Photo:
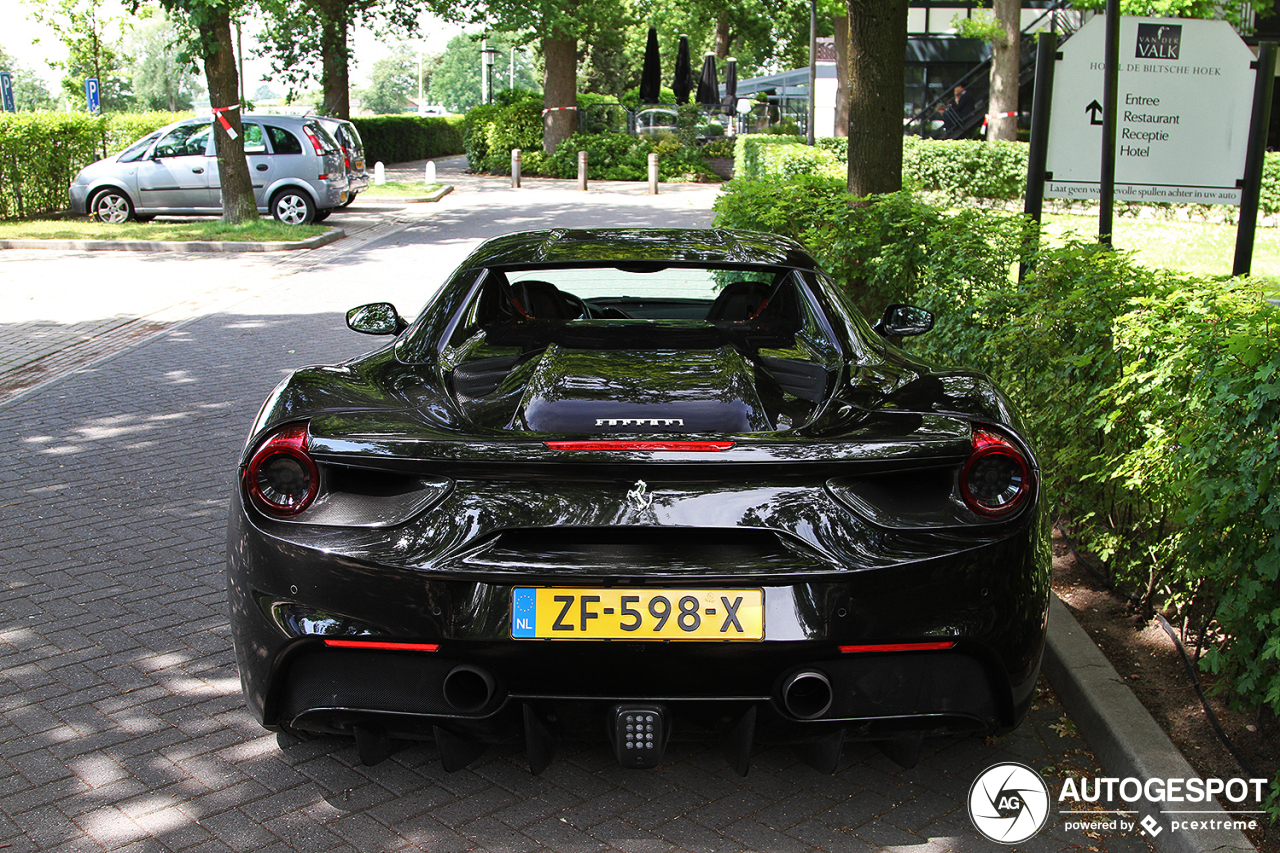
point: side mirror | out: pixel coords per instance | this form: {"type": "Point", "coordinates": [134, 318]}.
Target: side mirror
{"type": "Point", "coordinates": [901, 321]}
{"type": "Point", "coordinates": [377, 318]}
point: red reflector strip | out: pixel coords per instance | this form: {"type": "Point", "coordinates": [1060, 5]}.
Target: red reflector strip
{"type": "Point", "coordinates": [382, 644]}
{"type": "Point", "coordinates": [700, 446]}
{"type": "Point", "coordinates": [898, 647]}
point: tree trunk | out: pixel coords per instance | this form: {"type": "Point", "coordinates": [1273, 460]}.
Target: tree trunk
{"type": "Point", "coordinates": [724, 40]}
{"type": "Point", "coordinates": [1004, 72]}
{"type": "Point", "coordinates": [877, 69]}
{"type": "Point", "coordinates": [842, 75]}
{"type": "Point", "coordinates": [220, 74]}
{"type": "Point", "coordinates": [333, 51]}
{"type": "Point", "coordinates": [560, 91]}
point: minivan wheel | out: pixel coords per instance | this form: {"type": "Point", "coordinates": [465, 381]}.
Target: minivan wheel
{"type": "Point", "coordinates": [322, 215]}
{"type": "Point", "coordinates": [111, 206]}
{"type": "Point", "coordinates": [292, 207]}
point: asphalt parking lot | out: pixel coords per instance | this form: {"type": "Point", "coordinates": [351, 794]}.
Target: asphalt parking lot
{"type": "Point", "coordinates": [123, 727]}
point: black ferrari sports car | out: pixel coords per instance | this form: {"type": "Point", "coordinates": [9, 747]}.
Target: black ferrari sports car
{"type": "Point", "coordinates": [636, 486]}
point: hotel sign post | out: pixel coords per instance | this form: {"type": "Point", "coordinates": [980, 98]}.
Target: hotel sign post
{"type": "Point", "coordinates": [1186, 105]}
{"type": "Point", "coordinates": [1182, 123]}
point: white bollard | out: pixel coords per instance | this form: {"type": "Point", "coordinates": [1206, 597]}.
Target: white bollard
{"type": "Point", "coordinates": [516, 160]}
{"type": "Point", "coordinates": [653, 173]}
{"type": "Point", "coordinates": [582, 170]}
{"type": "Point", "coordinates": [431, 172]}
{"type": "Point", "coordinates": [379, 173]}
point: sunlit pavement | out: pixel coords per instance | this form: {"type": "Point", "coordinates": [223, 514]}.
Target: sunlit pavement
{"type": "Point", "coordinates": [123, 727]}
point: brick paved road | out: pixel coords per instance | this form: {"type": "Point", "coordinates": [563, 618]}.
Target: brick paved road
{"type": "Point", "coordinates": [123, 727]}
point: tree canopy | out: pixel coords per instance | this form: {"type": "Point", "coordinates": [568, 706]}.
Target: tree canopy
{"type": "Point", "coordinates": [1238, 12]}
{"type": "Point", "coordinates": [455, 73]}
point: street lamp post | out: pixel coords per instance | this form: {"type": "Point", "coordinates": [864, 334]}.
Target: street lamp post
{"type": "Point", "coordinates": [487, 56]}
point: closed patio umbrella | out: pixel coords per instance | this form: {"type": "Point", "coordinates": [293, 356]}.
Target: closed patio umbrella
{"type": "Point", "coordinates": [708, 85]}
{"type": "Point", "coordinates": [651, 73]}
{"type": "Point", "coordinates": [682, 85]}
{"type": "Point", "coordinates": [731, 87]}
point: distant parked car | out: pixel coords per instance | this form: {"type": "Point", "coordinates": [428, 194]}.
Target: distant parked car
{"type": "Point", "coordinates": [348, 138]}
{"type": "Point", "coordinates": [656, 120]}
{"type": "Point", "coordinates": [296, 166]}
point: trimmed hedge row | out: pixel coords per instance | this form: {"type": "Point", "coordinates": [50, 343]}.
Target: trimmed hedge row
{"type": "Point", "coordinates": [40, 153]}
{"type": "Point", "coordinates": [1152, 396]}
{"type": "Point", "coordinates": [399, 139]}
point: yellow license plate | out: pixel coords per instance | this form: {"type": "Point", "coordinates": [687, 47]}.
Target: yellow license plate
{"type": "Point", "coordinates": [550, 613]}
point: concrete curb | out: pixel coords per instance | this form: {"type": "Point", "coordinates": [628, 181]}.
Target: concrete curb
{"type": "Point", "coordinates": [175, 246]}
{"type": "Point", "coordinates": [1123, 736]}
{"type": "Point", "coordinates": [435, 196]}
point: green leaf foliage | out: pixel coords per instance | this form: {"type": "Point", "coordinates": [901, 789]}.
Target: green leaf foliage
{"type": "Point", "coordinates": [489, 132]}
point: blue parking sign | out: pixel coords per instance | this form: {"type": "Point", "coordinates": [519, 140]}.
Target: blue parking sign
{"type": "Point", "coordinates": [6, 92]}
{"type": "Point", "coordinates": [91, 95]}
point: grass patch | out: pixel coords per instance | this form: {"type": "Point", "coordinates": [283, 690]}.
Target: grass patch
{"type": "Point", "coordinates": [399, 189]}
{"type": "Point", "coordinates": [212, 230]}
{"type": "Point", "coordinates": [1197, 248]}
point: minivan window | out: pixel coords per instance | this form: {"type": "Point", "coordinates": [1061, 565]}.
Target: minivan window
{"type": "Point", "coordinates": [137, 149]}
{"type": "Point", "coordinates": [282, 141]}
{"type": "Point", "coordinates": [183, 141]}
{"type": "Point", "coordinates": [253, 143]}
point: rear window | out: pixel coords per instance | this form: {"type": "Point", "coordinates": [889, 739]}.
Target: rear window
{"type": "Point", "coordinates": [282, 141]}
{"type": "Point", "coordinates": [325, 137]}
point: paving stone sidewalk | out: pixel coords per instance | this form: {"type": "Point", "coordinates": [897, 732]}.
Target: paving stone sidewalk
{"type": "Point", "coordinates": [121, 723]}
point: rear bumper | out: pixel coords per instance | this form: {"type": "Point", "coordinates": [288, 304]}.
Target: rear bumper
{"type": "Point", "coordinates": [79, 199]}
{"type": "Point", "coordinates": [286, 600]}
{"type": "Point", "coordinates": [872, 696]}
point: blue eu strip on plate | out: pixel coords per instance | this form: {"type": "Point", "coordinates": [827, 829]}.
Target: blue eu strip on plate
{"type": "Point", "coordinates": [524, 605]}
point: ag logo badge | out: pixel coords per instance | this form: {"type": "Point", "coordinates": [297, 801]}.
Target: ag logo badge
{"type": "Point", "coordinates": [1009, 803]}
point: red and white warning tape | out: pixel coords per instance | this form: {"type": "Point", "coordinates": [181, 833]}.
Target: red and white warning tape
{"type": "Point", "coordinates": [222, 120]}
{"type": "Point", "coordinates": [556, 109]}
{"type": "Point", "coordinates": [989, 116]}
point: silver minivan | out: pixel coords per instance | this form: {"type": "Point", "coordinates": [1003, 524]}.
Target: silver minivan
{"type": "Point", "coordinates": [298, 173]}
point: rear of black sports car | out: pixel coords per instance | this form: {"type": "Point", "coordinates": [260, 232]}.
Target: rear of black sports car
{"type": "Point", "coordinates": [552, 510]}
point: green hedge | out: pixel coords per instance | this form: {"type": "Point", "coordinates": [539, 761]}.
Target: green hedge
{"type": "Point", "coordinates": [623, 157]}
{"type": "Point", "coordinates": [966, 168]}
{"type": "Point", "coordinates": [961, 169]}
{"type": "Point", "coordinates": [749, 161]}
{"type": "Point", "coordinates": [399, 139]}
{"type": "Point", "coordinates": [489, 132]}
{"type": "Point", "coordinates": [40, 153]}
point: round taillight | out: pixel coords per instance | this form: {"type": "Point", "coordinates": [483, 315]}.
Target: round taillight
{"type": "Point", "coordinates": [996, 479]}
{"type": "Point", "coordinates": [281, 478]}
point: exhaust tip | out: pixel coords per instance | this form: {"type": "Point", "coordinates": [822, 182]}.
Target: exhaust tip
{"type": "Point", "coordinates": [468, 688]}
{"type": "Point", "coordinates": [807, 694]}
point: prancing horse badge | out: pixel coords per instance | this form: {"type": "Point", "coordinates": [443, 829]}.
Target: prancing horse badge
{"type": "Point", "coordinates": [638, 497]}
